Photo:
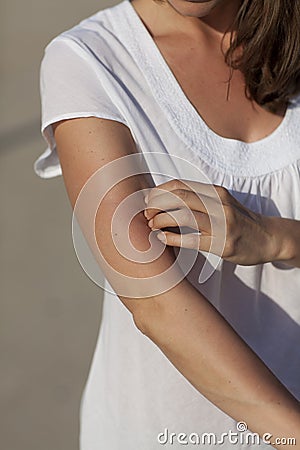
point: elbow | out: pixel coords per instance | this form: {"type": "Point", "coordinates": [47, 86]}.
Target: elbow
{"type": "Point", "coordinates": [146, 316]}
{"type": "Point", "coordinates": [144, 324]}
{"type": "Point", "coordinates": [141, 324]}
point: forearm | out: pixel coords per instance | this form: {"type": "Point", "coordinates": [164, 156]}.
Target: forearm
{"type": "Point", "coordinates": [286, 240]}
{"type": "Point", "coordinates": [196, 338]}
{"type": "Point", "coordinates": [202, 345]}
{"type": "Point", "coordinates": [192, 334]}
{"type": "Point", "coordinates": [207, 351]}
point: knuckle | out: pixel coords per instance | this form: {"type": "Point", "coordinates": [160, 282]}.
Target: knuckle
{"type": "Point", "coordinates": [222, 192]}
{"type": "Point", "coordinates": [155, 220]}
{"type": "Point", "coordinates": [195, 240]}
{"type": "Point", "coordinates": [189, 218]}
{"type": "Point", "coordinates": [181, 193]}
{"type": "Point", "coordinates": [175, 184]}
{"type": "Point", "coordinates": [159, 220]}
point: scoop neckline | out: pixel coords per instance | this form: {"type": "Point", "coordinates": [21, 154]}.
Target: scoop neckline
{"type": "Point", "coordinates": [231, 156]}
{"type": "Point", "coordinates": [193, 113]}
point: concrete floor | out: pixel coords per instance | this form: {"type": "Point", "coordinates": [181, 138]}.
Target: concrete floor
{"type": "Point", "coordinates": [49, 310]}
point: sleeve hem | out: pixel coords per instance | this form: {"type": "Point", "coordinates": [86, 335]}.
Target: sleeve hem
{"type": "Point", "coordinates": [78, 115]}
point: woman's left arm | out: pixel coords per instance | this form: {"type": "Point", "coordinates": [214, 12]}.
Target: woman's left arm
{"type": "Point", "coordinates": [249, 237]}
{"type": "Point", "coordinates": [286, 232]}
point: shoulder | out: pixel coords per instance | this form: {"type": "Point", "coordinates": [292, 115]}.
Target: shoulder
{"type": "Point", "coordinates": [95, 36]}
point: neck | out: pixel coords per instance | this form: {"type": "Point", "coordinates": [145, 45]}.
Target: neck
{"type": "Point", "coordinates": [212, 18]}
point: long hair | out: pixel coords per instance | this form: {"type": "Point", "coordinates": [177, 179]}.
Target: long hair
{"type": "Point", "coordinates": [265, 47]}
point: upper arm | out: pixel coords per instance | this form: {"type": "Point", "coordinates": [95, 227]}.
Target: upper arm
{"type": "Point", "coordinates": [84, 146]}
{"type": "Point", "coordinates": [88, 130]}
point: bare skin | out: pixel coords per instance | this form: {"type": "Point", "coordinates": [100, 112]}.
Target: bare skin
{"type": "Point", "coordinates": [192, 48]}
{"type": "Point", "coordinates": [251, 238]}
{"type": "Point", "coordinates": [189, 36]}
{"type": "Point", "coordinates": [181, 322]}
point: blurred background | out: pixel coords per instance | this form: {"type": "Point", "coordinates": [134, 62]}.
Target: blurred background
{"type": "Point", "coordinates": [50, 310]}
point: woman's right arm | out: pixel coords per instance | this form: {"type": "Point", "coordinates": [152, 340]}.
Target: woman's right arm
{"type": "Point", "coordinates": [181, 322]}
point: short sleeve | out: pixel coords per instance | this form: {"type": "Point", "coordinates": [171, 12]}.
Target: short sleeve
{"type": "Point", "coordinates": [73, 83]}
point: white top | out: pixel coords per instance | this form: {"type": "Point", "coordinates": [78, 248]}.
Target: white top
{"type": "Point", "coordinates": [108, 66]}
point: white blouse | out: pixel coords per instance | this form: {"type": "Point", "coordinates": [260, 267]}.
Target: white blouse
{"type": "Point", "coordinates": [108, 66]}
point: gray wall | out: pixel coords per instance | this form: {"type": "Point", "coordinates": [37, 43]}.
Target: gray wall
{"type": "Point", "coordinates": [50, 310]}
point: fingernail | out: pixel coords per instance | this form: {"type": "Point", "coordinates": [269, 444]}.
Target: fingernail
{"type": "Point", "coordinates": [150, 223]}
{"type": "Point", "coordinates": [161, 236]}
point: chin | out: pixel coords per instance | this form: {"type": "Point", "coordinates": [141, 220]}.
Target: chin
{"type": "Point", "coordinates": [194, 9]}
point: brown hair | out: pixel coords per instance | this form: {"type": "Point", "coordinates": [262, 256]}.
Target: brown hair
{"type": "Point", "coordinates": [265, 47]}
{"type": "Point", "coordinates": [268, 32]}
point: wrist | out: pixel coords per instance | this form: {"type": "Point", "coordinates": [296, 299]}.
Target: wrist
{"type": "Point", "coordinates": [280, 245]}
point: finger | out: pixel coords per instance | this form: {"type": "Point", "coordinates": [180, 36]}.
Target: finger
{"type": "Point", "coordinates": [181, 218]}
{"type": "Point", "coordinates": [168, 186]}
{"type": "Point", "coordinates": [191, 240]}
{"type": "Point", "coordinates": [208, 189]}
{"type": "Point", "coordinates": [179, 199]}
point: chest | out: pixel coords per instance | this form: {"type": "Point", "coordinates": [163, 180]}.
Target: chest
{"type": "Point", "coordinates": [222, 104]}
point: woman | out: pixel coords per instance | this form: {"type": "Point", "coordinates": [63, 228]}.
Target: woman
{"type": "Point", "coordinates": [213, 84]}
